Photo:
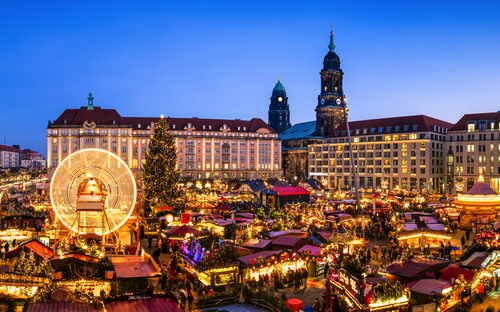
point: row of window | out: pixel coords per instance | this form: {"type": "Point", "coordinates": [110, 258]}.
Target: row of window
{"type": "Point", "coordinates": [363, 147]}
{"type": "Point", "coordinates": [379, 138]}
{"type": "Point", "coordinates": [388, 170]}
{"type": "Point", "coordinates": [90, 131]}
{"type": "Point", "coordinates": [472, 137]}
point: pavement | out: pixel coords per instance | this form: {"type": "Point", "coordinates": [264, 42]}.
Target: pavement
{"type": "Point", "coordinates": [493, 298]}
{"type": "Point", "coordinates": [237, 308]}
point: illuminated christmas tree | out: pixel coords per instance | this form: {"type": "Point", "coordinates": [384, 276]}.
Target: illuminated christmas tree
{"type": "Point", "coordinates": [159, 174]}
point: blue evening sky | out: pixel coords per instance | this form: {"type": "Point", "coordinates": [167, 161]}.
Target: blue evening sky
{"type": "Point", "coordinates": [221, 59]}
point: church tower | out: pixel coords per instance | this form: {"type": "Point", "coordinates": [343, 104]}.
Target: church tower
{"type": "Point", "coordinates": [331, 100]}
{"type": "Point", "coordinates": [279, 112]}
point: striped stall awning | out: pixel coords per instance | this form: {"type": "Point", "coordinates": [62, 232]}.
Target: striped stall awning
{"type": "Point", "coordinates": [60, 307]}
{"type": "Point", "coordinates": [144, 305]}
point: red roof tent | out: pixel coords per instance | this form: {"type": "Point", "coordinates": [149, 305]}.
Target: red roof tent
{"type": "Point", "coordinates": [290, 190]}
{"type": "Point", "coordinates": [455, 273]}
{"type": "Point", "coordinates": [148, 305]}
{"type": "Point", "coordinates": [60, 306]}
{"type": "Point", "coordinates": [315, 251]}
{"type": "Point", "coordinates": [36, 246]}
{"type": "Point", "coordinates": [248, 258]}
{"type": "Point", "coordinates": [182, 230]}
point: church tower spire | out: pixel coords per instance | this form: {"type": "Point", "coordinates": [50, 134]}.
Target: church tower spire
{"type": "Point", "coordinates": [279, 112]}
{"type": "Point", "coordinates": [331, 100]}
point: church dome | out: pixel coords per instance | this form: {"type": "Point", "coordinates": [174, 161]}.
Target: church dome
{"type": "Point", "coordinates": [279, 86]}
{"type": "Point", "coordinates": [331, 60]}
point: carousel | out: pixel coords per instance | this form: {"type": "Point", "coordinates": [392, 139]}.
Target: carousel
{"type": "Point", "coordinates": [480, 206]}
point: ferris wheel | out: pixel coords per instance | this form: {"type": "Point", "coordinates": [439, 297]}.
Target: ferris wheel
{"type": "Point", "coordinates": [93, 191]}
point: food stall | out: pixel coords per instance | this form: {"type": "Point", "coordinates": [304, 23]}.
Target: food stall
{"type": "Point", "coordinates": [223, 228]}
{"type": "Point", "coordinates": [365, 296]}
{"type": "Point", "coordinates": [266, 262]}
{"type": "Point", "coordinates": [317, 266]}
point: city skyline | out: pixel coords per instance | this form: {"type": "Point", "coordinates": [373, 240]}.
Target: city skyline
{"type": "Point", "coordinates": [223, 60]}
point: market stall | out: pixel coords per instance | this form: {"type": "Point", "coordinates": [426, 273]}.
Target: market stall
{"type": "Point", "coordinates": [365, 296]}
{"type": "Point", "coordinates": [257, 265]}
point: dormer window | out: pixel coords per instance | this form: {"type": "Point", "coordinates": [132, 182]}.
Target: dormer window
{"type": "Point", "coordinates": [139, 126]}
{"type": "Point", "coordinates": [65, 121]}
{"type": "Point", "coordinates": [224, 127]}
{"type": "Point", "coordinates": [113, 122]}
{"type": "Point", "coordinates": [406, 127]}
{"type": "Point", "coordinates": [244, 128]}
{"type": "Point", "coordinates": [415, 127]}
{"type": "Point", "coordinates": [189, 125]}
{"type": "Point", "coordinates": [173, 126]}
{"type": "Point", "coordinates": [209, 127]}
{"type": "Point", "coordinates": [238, 128]}
{"type": "Point", "coordinates": [152, 125]}
{"type": "Point", "coordinates": [203, 127]}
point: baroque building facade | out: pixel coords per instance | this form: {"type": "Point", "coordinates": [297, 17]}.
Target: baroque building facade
{"type": "Point", "coordinates": [207, 148]}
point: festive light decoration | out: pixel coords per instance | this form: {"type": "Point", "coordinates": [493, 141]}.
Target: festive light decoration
{"type": "Point", "coordinates": [160, 175]}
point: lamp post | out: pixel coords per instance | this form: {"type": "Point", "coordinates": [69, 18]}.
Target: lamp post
{"type": "Point", "coordinates": [353, 168]}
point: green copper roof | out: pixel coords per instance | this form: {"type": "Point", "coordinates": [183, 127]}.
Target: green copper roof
{"type": "Point", "coordinates": [331, 45]}
{"type": "Point", "coordinates": [279, 86]}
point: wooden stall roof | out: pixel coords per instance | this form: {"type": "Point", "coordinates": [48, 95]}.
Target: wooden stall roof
{"type": "Point", "coordinates": [412, 268]}
{"type": "Point", "coordinates": [248, 258]}
{"type": "Point", "coordinates": [60, 307]}
{"type": "Point", "coordinates": [315, 251]}
{"type": "Point", "coordinates": [257, 243]}
{"type": "Point", "coordinates": [455, 273]}
{"type": "Point", "coordinates": [147, 305]}
{"type": "Point", "coordinates": [287, 240]}
{"type": "Point", "coordinates": [132, 267]}
{"type": "Point", "coordinates": [475, 260]}
{"type": "Point", "coordinates": [429, 287]}
{"type": "Point", "coordinates": [35, 245]}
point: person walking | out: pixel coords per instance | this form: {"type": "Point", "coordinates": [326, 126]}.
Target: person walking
{"type": "Point", "coordinates": [480, 289]}
{"type": "Point", "coordinates": [463, 242]}
{"type": "Point", "coordinates": [467, 235]}
{"type": "Point", "coordinates": [150, 240]}
{"type": "Point", "coordinates": [190, 300]}
{"type": "Point", "coordinates": [325, 270]}
{"type": "Point", "coordinates": [305, 275]}
{"type": "Point", "coordinates": [297, 279]}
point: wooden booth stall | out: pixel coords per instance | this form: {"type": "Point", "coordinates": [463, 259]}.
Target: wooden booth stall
{"type": "Point", "coordinates": [257, 265]}
{"type": "Point", "coordinates": [280, 196]}
{"type": "Point", "coordinates": [374, 296]}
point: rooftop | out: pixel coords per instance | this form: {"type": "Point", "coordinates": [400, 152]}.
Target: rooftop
{"type": "Point", "coordinates": [392, 125]}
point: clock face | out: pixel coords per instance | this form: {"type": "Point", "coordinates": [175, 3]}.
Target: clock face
{"type": "Point", "coordinates": [280, 99]}
{"type": "Point", "coordinates": [338, 101]}
{"type": "Point", "coordinates": [322, 101]}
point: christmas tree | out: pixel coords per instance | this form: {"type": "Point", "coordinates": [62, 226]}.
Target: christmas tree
{"type": "Point", "coordinates": [159, 174]}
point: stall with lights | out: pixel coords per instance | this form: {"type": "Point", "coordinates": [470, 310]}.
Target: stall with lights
{"type": "Point", "coordinates": [257, 265]}
{"type": "Point", "coordinates": [360, 295]}
{"type": "Point", "coordinates": [428, 239]}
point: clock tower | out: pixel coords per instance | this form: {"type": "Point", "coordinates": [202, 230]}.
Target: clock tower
{"type": "Point", "coordinates": [279, 112]}
{"type": "Point", "coordinates": [331, 100]}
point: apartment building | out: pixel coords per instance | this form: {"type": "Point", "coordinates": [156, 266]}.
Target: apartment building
{"type": "Point", "coordinates": [389, 153]}
{"type": "Point", "coordinates": [473, 148]}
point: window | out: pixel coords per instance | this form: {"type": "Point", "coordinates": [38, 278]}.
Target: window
{"type": "Point", "coordinates": [113, 149]}
{"type": "Point", "coordinates": [124, 149]}
{"type": "Point", "coordinates": [135, 150]}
